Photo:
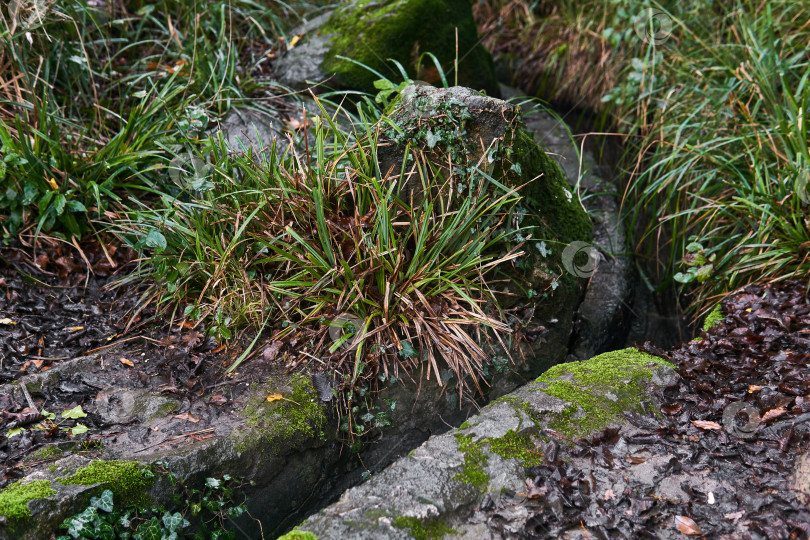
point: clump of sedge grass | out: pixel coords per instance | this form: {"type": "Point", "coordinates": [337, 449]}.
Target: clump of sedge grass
{"type": "Point", "coordinates": [301, 241]}
{"type": "Point", "coordinates": [713, 119]}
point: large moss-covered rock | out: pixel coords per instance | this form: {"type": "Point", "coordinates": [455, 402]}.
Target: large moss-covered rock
{"type": "Point", "coordinates": [372, 33]}
{"type": "Point", "coordinates": [473, 139]}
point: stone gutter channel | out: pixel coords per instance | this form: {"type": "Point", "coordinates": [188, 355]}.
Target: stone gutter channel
{"type": "Point", "coordinates": [435, 489]}
{"type": "Point", "coordinates": [290, 450]}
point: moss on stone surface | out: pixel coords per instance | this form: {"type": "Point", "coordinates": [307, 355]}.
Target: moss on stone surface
{"type": "Point", "coordinates": [599, 390]}
{"type": "Point", "coordinates": [128, 480]}
{"type": "Point", "coordinates": [516, 446]}
{"type": "Point", "coordinates": [372, 31]}
{"type": "Point", "coordinates": [472, 472]}
{"type": "Point", "coordinates": [299, 415]}
{"type": "Point", "coordinates": [423, 530]}
{"type": "Point", "coordinates": [14, 498]}
{"type": "Point", "coordinates": [559, 213]}
{"type": "Point", "coordinates": [714, 317]}
{"type": "Point", "coordinates": [298, 535]}
{"type": "Point", "coordinates": [49, 452]}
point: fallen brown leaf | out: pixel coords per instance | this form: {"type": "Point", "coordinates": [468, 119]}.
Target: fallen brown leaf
{"type": "Point", "coordinates": [686, 525]}
{"type": "Point", "coordinates": [218, 399]}
{"type": "Point", "coordinates": [187, 416]}
{"type": "Point", "coordinates": [127, 362]}
{"type": "Point", "coordinates": [707, 424]}
{"type": "Point", "coordinates": [773, 413]}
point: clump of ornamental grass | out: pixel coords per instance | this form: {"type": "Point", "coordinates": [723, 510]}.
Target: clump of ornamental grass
{"type": "Point", "coordinates": [723, 165]}
{"type": "Point", "coordinates": [711, 106]}
{"type": "Point", "coordinates": [306, 241]}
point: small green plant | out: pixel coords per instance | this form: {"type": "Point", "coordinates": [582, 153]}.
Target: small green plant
{"type": "Point", "coordinates": [49, 423]}
{"type": "Point", "coordinates": [699, 264]}
{"type": "Point", "coordinates": [197, 513]}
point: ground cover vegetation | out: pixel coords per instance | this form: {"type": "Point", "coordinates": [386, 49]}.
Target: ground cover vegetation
{"type": "Point", "coordinates": [710, 102]}
{"type": "Point", "coordinates": [104, 103]}
{"type": "Point", "coordinates": [100, 100]}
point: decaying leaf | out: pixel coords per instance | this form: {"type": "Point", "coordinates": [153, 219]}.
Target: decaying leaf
{"type": "Point", "coordinates": [707, 424]}
{"type": "Point", "coordinates": [686, 525]}
{"type": "Point", "coordinates": [127, 362]}
{"type": "Point", "coordinates": [187, 416]}
{"type": "Point", "coordinates": [773, 413]}
{"type": "Point", "coordinates": [218, 399]}
{"type": "Point", "coordinates": [274, 397]}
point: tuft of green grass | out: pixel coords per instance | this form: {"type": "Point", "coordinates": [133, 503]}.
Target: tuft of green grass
{"type": "Point", "coordinates": [97, 100]}
{"type": "Point", "coordinates": [712, 116]}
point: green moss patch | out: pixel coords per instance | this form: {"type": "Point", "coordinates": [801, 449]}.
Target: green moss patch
{"type": "Point", "coordinates": [516, 446]}
{"type": "Point", "coordinates": [714, 317]}
{"type": "Point", "coordinates": [49, 452]}
{"type": "Point", "coordinates": [472, 471]}
{"type": "Point", "coordinates": [14, 498]}
{"type": "Point", "coordinates": [299, 415]}
{"type": "Point", "coordinates": [371, 31]}
{"type": "Point", "coordinates": [599, 390]}
{"type": "Point", "coordinates": [298, 535]}
{"type": "Point", "coordinates": [423, 530]}
{"type": "Point", "coordinates": [128, 480]}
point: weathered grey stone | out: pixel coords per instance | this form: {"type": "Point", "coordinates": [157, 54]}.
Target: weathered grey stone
{"type": "Point", "coordinates": [372, 32]}
{"type": "Point", "coordinates": [247, 130]}
{"type": "Point", "coordinates": [434, 487]}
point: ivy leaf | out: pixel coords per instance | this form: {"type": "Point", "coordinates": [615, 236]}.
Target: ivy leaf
{"type": "Point", "coordinates": [151, 530]}
{"type": "Point", "coordinates": [680, 277]}
{"type": "Point", "coordinates": [213, 482]}
{"type": "Point", "coordinates": [78, 429]}
{"type": "Point", "coordinates": [74, 413]}
{"type": "Point", "coordinates": [432, 138]}
{"type": "Point", "coordinates": [105, 502]}
{"type": "Point", "coordinates": [175, 521]}
{"type": "Point", "coordinates": [407, 350]}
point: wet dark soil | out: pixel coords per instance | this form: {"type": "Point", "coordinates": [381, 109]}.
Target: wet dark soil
{"type": "Point", "coordinates": [53, 311]}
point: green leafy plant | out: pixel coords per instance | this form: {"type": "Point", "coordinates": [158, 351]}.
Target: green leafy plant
{"type": "Point", "coordinates": [49, 422]}
{"type": "Point", "coordinates": [198, 513]}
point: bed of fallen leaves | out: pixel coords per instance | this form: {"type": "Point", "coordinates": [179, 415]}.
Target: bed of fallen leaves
{"type": "Point", "coordinates": [734, 425]}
